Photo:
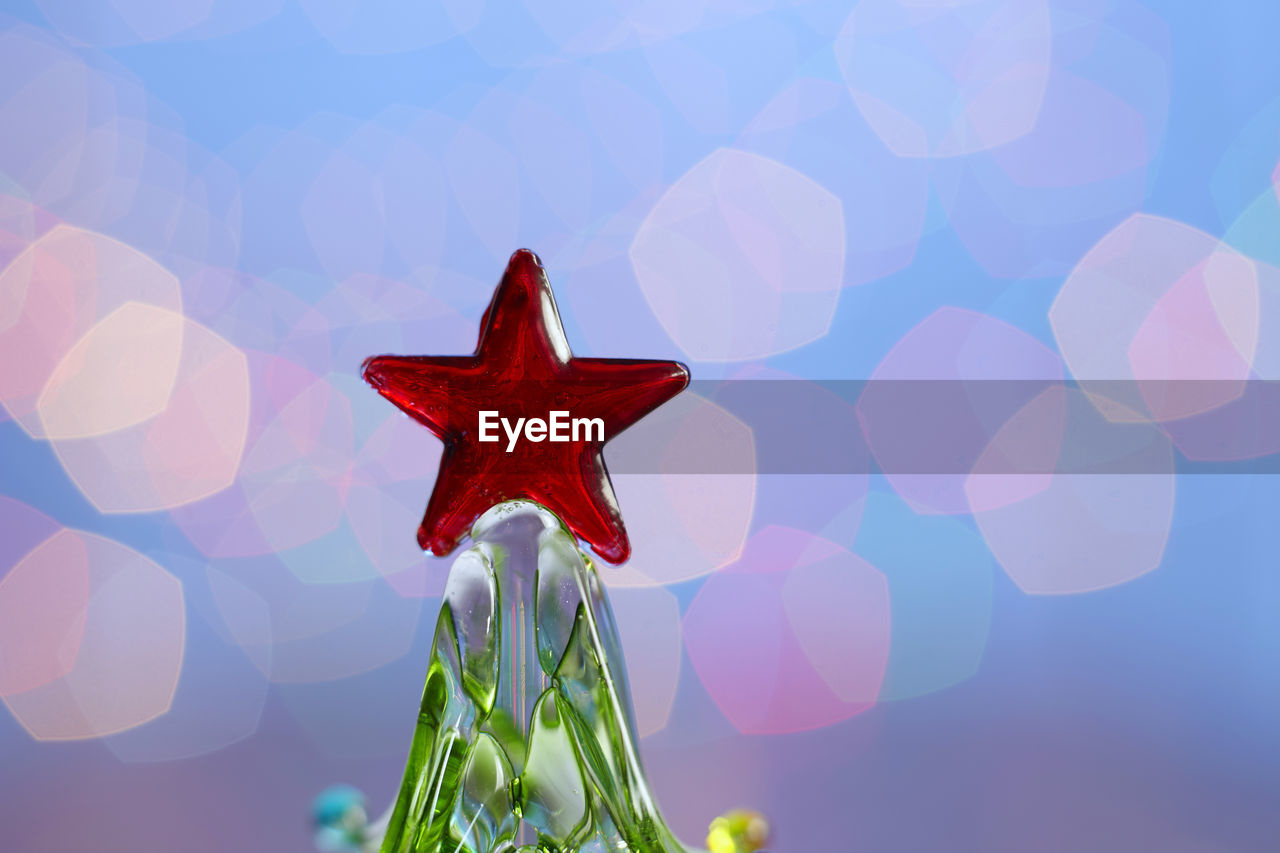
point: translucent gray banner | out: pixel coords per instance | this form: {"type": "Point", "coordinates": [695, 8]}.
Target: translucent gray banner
{"type": "Point", "coordinates": [958, 427]}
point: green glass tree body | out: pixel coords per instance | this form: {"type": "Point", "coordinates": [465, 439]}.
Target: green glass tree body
{"type": "Point", "coordinates": [525, 740]}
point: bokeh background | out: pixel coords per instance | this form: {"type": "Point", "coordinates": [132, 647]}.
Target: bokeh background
{"type": "Point", "coordinates": [211, 211]}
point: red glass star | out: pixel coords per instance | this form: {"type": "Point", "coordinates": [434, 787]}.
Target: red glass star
{"type": "Point", "coordinates": [522, 368]}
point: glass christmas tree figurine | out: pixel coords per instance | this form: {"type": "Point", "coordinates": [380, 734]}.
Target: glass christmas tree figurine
{"type": "Point", "coordinates": [525, 739]}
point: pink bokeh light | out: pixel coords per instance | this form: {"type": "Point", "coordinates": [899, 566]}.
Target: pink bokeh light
{"type": "Point", "coordinates": [793, 636]}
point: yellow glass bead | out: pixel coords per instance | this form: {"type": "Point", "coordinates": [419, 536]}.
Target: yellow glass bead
{"type": "Point", "coordinates": [738, 831]}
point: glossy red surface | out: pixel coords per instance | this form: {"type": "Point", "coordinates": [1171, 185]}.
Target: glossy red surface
{"type": "Point", "coordinates": [523, 368]}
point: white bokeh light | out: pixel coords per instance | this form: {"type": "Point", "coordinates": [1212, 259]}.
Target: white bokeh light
{"type": "Point", "coordinates": [742, 258]}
